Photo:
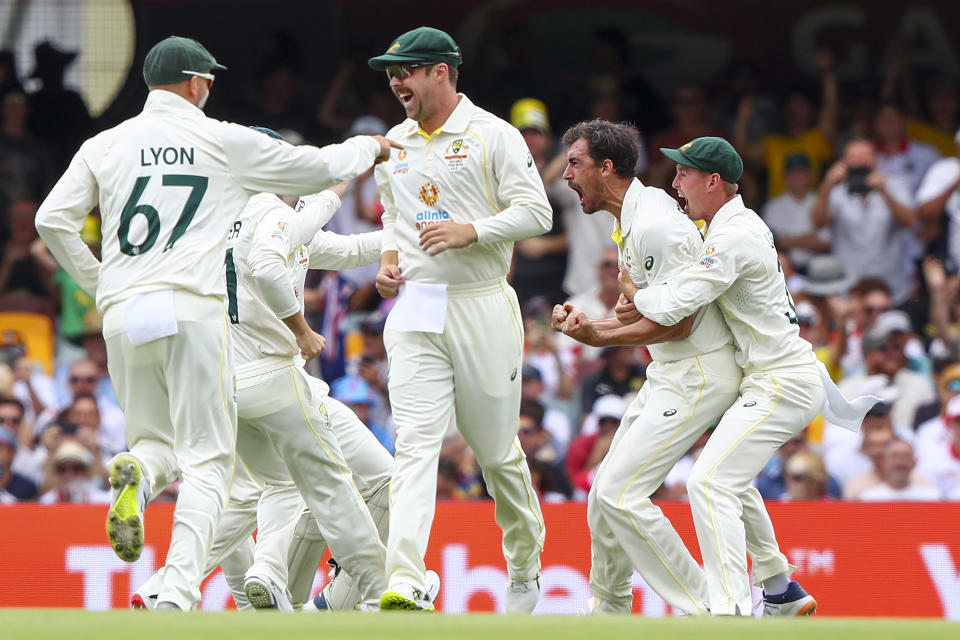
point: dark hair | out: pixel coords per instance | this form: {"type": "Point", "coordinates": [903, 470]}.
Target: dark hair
{"type": "Point", "coordinates": [13, 401]}
{"type": "Point", "coordinates": [533, 410]}
{"type": "Point", "coordinates": [618, 143]}
{"type": "Point", "coordinates": [867, 285]}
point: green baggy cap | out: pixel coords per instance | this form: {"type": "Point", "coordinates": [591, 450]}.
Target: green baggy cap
{"type": "Point", "coordinates": [423, 44]}
{"type": "Point", "coordinates": [711, 154]}
{"type": "Point", "coordinates": [170, 59]}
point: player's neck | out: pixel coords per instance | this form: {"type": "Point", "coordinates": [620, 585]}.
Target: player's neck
{"type": "Point", "coordinates": [441, 113]}
{"type": "Point", "coordinates": [614, 192]}
{"type": "Point", "coordinates": [716, 206]}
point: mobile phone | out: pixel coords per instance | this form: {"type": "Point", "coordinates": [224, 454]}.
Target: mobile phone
{"type": "Point", "coordinates": [857, 179]}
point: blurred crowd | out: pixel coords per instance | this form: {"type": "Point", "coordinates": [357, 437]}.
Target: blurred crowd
{"type": "Point", "coordinates": [859, 182]}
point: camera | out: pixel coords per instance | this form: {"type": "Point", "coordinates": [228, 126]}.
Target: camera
{"type": "Point", "coordinates": [857, 179]}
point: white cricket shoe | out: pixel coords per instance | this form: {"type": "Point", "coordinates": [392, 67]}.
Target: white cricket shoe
{"type": "Point", "coordinates": [406, 597]}
{"type": "Point", "coordinates": [264, 593]}
{"type": "Point", "coordinates": [522, 597]}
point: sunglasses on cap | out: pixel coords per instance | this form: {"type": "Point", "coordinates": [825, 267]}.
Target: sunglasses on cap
{"type": "Point", "coordinates": [401, 71]}
{"type": "Point", "coordinates": [207, 76]}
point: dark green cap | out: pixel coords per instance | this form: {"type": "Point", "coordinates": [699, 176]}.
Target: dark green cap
{"type": "Point", "coordinates": [711, 154]}
{"type": "Point", "coordinates": [169, 61]}
{"type": "Point", "coordinates": [423, 44]}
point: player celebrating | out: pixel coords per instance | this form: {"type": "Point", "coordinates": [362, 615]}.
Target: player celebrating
{"type": "Point", "coordinates": [783, 386]}
{"type": "Point", "coordinates": [692, 380]}
{"type": "Point", "coordinates": [167, 182]}
{"type": "Point", "coordinates": [462, 191]}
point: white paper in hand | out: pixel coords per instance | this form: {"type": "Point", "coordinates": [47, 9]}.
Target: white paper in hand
{"type": "Point", "coordinates": [419, 307]}
{"type": "Point", "coordinates": [149, 317]}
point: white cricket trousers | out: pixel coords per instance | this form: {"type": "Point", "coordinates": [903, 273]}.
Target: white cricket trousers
{"type": "Point", "coordinates": [287, 443]}
{"type": "Point", "coordinates": [728, 511]}
{"type": "Point", "coordinates": [178, 397]}
{"type": "Point", "coordinates": [473, 367]}
{"type": "Point", "coordinates": [679, 401]}
{"type": "Point", "coordinates": [301, 544]}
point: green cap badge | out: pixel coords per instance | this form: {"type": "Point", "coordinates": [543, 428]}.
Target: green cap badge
{"type": "Point", "coordinates": [423, 44]}
{"type": "Point", "coordinates": [174, 59]}
{"type": "Point", "coordinates": [711, 154]}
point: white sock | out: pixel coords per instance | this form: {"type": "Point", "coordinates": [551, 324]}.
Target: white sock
{"type": "Point", "coordinates": [776, 585]}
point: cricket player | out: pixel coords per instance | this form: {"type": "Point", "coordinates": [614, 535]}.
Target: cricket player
{"type": "Point", "coordinates": [693, 378]}
{"type": "Point", "coordinates": [463, 189]}
{"type": "Point", "coordinates": [168, 182]}
{"type": "Point", "coordinates": [783, 386]}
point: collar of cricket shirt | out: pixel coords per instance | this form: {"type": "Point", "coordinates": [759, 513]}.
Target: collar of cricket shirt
{"type": "Point", "coordinates": [457, 121]}
{"type": "Point", "coordinates": [162, 100]}
{"type": "Point", "coordinates": [727, 211]}
{"type": "Point", "coordinates": [629, 206]}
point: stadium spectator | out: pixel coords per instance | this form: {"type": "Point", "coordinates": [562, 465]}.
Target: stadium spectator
{"type": "Point", "coordinates": [805, 131]}
{"type": "Point", "coordinates": [542, 349]}
{"type": "Point", "coordinates": [620, 375]}
{"type": "Point", "coordinates": [32, 387]}
{"type": "Point", "coordinates": [555, 421]}
{"type": "Point", "coordinates": [897, 155]}
{"type": "Point", "coordinates": [897, 481]}
{"type": "Point", "coordinates": [876, 438]}
{"type": "Point", "coordinates": [373, 368]}
{"type": "Point", "coordinates": [539, 263]}
{"type": "Point", "coordinates": [789, 214]}
{"type": "Point", "coordinates": [87, 377]}
{"type": "Point", "coordinates": [538, 444]}
{"type": "Point", "coordinates": [588, 449]}
{"type": "Point", "coordinates": [866, 301]}
{"type": "Point", "coordinates": [806, 477]}
{"type": "Point", "coordinates": [72, 477]}
{"type": "Point", "coordinates": [938, 206]}
{"type": "Point", "coordinates": [867, 212]}
{"type": "Point", "coordinates": [598, 302]}
{"type": "Point", "coordinates": [886, 365]}
{"type": "Point", "coordinates": [936, 430]}
{"type": "Point", "coordinates": [943, 116]}
{"type": "Point", "coordinates": [14, 486]}
{"type": "Point", "coordinates": [940, 459]}
{"type": "Point", "coordinates": [543, 482]}
{"type": "Point", "coordinates": [772, 481]}
{"type": "Point", "coordinates": [25, 163]}
{"type": "Point", "coordinates": [470, 482]}
{"type": "Point", "coordinates": [448, 480]}
{"type": "Point", "coordinates": [354, 392]}
{"type": "Point", "coordinates": [20, 275]}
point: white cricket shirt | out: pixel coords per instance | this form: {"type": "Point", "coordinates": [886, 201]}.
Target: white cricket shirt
{"type": "Point", "coordinates": [168, 182]}
{"type": "Point", "coordinates": [271, 246]}
{"type": "Point", "coordinates": [738, 268]}
{"type": "Point", "coordinates": [475, 169]}
{"type": "Point", "coordinates": [657, 241]}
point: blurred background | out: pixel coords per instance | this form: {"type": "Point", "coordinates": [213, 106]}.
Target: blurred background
{"type": "Point", "coordinates": [846, 116]}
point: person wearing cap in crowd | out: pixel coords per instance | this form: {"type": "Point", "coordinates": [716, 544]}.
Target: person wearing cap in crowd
{"type": "Point", "coordinates": [169, 182]}
{"type": "Point", "coordinates": [692, 379]}
{"type": "Point", "coordinates": [823, 309]}
{"type": "Point", "coordinates": [806, 477]}
{"type": "Point", "coordinates": [14, 486]}
{"type": "Point", "coordinates": [354, 392]}
{"type": "Point", "coordinates": [788, 215]}
{"type": "Point", "coordinates": [938, 206]}
{"type": "Point", "coordinates": [540, 262]}
{"type": "Point", "coordinates": [932, 423]}
{"type": "Point", "coordinates": [784, 385]}
{"type": "Point", "coordinates": [867, 213]}
{"type": "Point", "coordinates": [456, 198]}
{"type": "Point", "coordinates": [73, 477]}
{"type": "Point", "coordinates": [940, 460]}
{"type": "Point", "coordinates": [884, 355]}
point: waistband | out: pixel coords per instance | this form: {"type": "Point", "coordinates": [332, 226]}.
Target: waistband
{"type": "Point", "coordinates": [484, 287]}
{"type": "Point", "coordinates": [267, 364]}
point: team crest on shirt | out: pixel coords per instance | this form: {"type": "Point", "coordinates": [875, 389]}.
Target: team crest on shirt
{"type": "Point", "coordinates": [455, 154]}
{"type": "Point", "coordinates": [710, 250]}
{"type": "Point", "coordinates": [430, 194]}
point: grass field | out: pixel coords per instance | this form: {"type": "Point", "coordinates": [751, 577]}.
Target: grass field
{"type": "Point", "coordinates": [24, 624]}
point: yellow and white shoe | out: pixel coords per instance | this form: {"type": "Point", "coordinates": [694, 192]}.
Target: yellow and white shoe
{"type": "Point", "coordinates": [125, 518]}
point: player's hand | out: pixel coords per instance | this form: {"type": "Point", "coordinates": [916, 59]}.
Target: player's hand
{"type": "Point", "coordinates": [579, 327]}
{"type": "Point", "coordinates": [558, 316]}
{"type": "Point", "coordinates": [626, 311]}
{"type": "Point", "coordinates": [389, 281]}
{"type": "Point", "coordinates": [436, 238]}
{"type": "Point", "coordinates": [340, 188]}
{"type": "Point", "coordinates": [836, 174]}
{"type": "Point", "coordinates": [386, 147]}
{"type": "Point", "coordinates": [310, 343]}
{"type": "Point", "coordinates": [627, 288]}
{"type": "Point", "coordinates": [877, 181]}
{"type": "Point", "coordinates": [22, 370]}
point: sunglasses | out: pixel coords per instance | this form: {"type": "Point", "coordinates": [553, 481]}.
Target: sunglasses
{"type": "Point", "coordinates": [610, 264]}
{"type": "Point", "coordinates": [10, 420]}
{"type": "Point", "coordinates": [87, 379]}
{"type": "Point", "coordinates": [875, 310]}
{"type": "Point", "coordinates": [402, 71]}
{"type": "Point", "coordinates": [799, 477]}
{"type": "Point", "coordinates": [207, 76]}
{"type": "Point", "coordinates": [71, 468]}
